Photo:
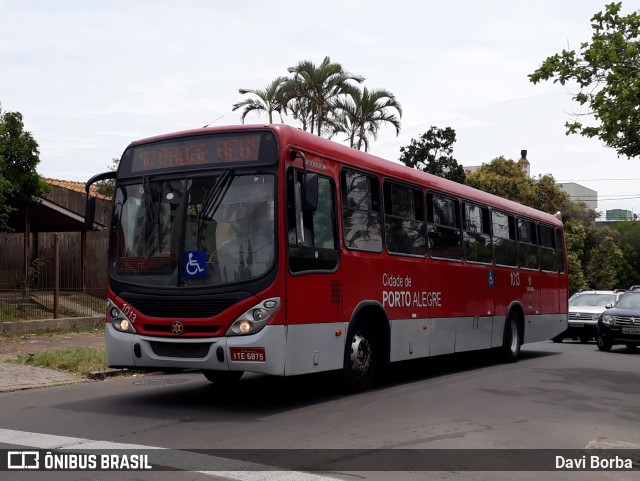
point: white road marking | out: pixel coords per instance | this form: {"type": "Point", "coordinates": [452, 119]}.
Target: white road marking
{"type": "Point", "coordinates": [183, 460]}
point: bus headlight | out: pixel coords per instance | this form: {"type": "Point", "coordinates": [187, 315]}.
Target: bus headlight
{"type": "Point", "coordinates": [607, 319]}
{"type": "Point", "coordinates": [119, 321]}
{"type": "Point", "coordinates": [254, 319]}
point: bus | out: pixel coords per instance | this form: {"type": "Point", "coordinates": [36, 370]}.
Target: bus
{"type": "Point", "coordinates": [266, 249]}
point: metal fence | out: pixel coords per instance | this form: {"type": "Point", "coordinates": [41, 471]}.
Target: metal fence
{"type": "Point", "coordinates": [53, 281]}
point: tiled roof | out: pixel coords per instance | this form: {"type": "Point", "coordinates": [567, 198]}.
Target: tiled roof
{"type": "Point", "coordinates": [75, 186]}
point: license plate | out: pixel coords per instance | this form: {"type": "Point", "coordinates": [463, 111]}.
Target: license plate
{"type": "Point", "coordinates": [576, 324]}
{"type": "Point", "coordinates": [248, 354]}
{"type": "Point", "coordinates": [631, 330]}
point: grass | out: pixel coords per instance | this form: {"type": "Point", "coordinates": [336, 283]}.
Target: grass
{"type": "Point", "coordinates": [77, 361]}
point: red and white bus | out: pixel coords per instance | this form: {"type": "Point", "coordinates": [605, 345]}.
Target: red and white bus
{"type": "Point", "coordinates": [268, 249]}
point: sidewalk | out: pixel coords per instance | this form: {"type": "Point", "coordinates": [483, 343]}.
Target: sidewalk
{"type": "Point", "coordinates": [14, 377]}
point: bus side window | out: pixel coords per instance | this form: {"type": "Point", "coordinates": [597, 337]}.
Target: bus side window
{"type": "Point", "coordinates": [444, 229]}
{"type": "Point", "coordinates": [404, 220]}
{"type": "Point", "coordinates": [528, 244]}
{"type": "Point", "coordinates": [477, 234]}
{"type": "Point", "coordinates": [361, 216]}
{"type": "Point", "coordinates": [559, 251]}
{"type": "Point", "coordinates": [547, 249]}
{"type": "Point", "coordinates": [505, 245]}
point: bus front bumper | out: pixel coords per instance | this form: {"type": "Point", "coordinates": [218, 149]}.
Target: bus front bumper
{"type": "Point", "coordinates": [263, 352]}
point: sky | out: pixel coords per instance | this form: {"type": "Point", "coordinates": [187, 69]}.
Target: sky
{"type": "Point", "coordinates": [89, 77]}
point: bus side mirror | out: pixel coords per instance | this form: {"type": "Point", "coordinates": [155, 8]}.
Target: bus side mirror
{"type": "Point", "coordinates": [310, 193]}
{"type": "Point", "coordinates": [89, 213]}
{"type": "Point", "coordinates": [90, 208]}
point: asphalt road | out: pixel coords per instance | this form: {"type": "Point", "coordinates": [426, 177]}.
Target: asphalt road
{"type": "Point", "coordinates": [558, 397]}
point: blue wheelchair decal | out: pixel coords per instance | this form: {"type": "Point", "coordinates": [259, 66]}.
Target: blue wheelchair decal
{"type": "Point", "coordinates": [195, 263]}
{"type": "Point", "coordinates": [491, 278]}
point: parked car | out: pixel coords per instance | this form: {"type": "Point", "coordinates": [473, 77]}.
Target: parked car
{"type": "Point", "coordinates": [585, 308]}
{"type": "Point", "coordinates": [621, 323]}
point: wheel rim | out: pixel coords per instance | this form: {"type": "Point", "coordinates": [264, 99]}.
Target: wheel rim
{"type": "Point", "coordinates": [361, 355]}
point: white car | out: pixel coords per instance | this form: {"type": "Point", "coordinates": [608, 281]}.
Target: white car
{"type": "Point", "coordinates": [584, 309]}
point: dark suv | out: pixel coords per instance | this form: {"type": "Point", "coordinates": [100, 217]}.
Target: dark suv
{"type": "Point", "coordinates": [621, 323]}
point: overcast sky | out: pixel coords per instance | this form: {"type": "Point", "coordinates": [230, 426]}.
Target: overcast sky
{"type": "Point", "coordinates": [91, 76]}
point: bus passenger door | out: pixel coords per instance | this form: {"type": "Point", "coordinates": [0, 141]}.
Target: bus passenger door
{"type": "Point", "coordinates": [313, 293]}
{"type": "Point", "coordinates": [475, 329]}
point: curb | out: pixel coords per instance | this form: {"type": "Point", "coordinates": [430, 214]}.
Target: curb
{"type": "Point", "coordinates": [109, 373]}
{"type": "Point", "coordinates": [49, 325]}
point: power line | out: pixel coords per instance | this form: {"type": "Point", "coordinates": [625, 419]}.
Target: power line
{"type": "Point", "coordinates": [594, 180]}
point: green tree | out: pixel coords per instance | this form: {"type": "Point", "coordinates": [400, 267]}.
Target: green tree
{"type": "Point", "coordinates": [6, 189]}
{"type": "Point", "coordinates": [603, 258]}
{"type": "Point", "coordinates": [363, 112]}
{"type": "Point", "coordinates": [629, 243]}
{"type": "Point", "coordinates": [320, 85]}
{"type": "Point", "coordinates": [548, 197]}
{"type": "Point", "coordinates": [505, 178]}
{"type": "Point", "coordinates": [607, 74]}
{"type": "Point", "coordinates": [19, 157]}
{"type": "Point", "coordinates": [268, 101]}
{"type": "Point", "coordinates": [575, 235]}
{"type": "Point", "coordinates": [433, 153]}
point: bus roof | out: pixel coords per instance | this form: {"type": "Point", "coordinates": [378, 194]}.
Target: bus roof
{"type": "Point", "coordinates": [299, 139]}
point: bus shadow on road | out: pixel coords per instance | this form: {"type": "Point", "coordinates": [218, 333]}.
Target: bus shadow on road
{"type": "Point", "coordinates": [441, 366]}
{"type": "Point", "coordinates": [188, 397]}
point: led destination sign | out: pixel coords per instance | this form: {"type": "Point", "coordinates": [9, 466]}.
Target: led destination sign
{"type": "Point", "coordinates": [202, 151]}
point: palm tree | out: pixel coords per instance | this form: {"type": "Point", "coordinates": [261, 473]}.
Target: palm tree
{"type": "Point", "coordinates": [363, 111]}
{"type": "Point", "coordinates": [269, 100]}
{"type": "Point", "coordinates": [320, 85]}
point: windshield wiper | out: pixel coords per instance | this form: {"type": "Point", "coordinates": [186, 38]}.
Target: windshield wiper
{"type": "Point", "coordinates": [214, 197]}
{"type": "Point", "coordinates": [148, 198]}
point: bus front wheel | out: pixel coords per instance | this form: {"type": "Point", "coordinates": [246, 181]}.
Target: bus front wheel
{"type": "Point", "coordinates": [223, 377]}
{"type": "Point", "coordinates": [360, 357]}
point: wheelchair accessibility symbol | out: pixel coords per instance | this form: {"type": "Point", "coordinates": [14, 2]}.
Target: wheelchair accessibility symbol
{"type": "Point", "coordinates": [195, 263]}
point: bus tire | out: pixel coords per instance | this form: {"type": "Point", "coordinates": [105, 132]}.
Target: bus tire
{"type": "Point", "coordinates": [225, 378]}
{"type": "Point", "coordinates": [360, 356]}
{"type": "Point", "coordinates": [512, 339]}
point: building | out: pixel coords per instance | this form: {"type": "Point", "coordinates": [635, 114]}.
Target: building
{"type": "Point", "coordinates": [618, 214]}
{"type": "Point", "coordinates": [57, 218]}
{"type": "Point", "coordinates": [580, 193]}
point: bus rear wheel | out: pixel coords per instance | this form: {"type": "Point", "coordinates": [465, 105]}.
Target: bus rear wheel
{"type": "Point", "coordinates": [512, 340]}
{"type": "Point", "coordinates": [225, 378]}
{"type": "Point", "coordinates": [360, 357]}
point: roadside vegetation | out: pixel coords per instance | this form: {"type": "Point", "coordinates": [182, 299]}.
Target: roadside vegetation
{"type": "Point", "coordinates": [77, 361]}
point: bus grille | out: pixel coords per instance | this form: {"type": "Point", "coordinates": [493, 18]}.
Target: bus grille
{"type": "Point", "coordinates": [181, 308]}
{"type": "Point", "coordinates": [196, 350]}
{"type": "Point", "coordinates": [193, 330]}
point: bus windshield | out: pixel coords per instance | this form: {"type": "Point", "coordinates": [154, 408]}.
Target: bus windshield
{"type": "Point", "coordinates": [196, 231]}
